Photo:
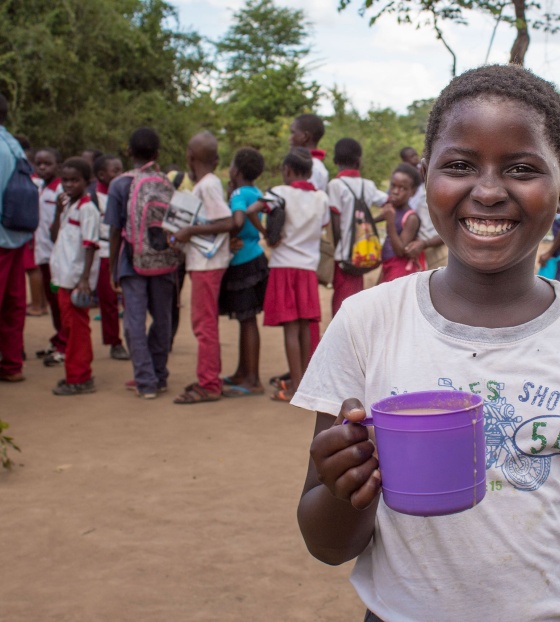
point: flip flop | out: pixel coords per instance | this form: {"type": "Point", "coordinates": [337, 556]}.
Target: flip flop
{"type": "Point", "coordinates": [195, 394]}
{"type": "Point", "coordinates": [281, 396]}
{"type": "Point", "coordinates": [229, 380]}
{"type": "Point", "coordinates": [235, 390]}
{"type": "Point", "coordinates": [276, 381]}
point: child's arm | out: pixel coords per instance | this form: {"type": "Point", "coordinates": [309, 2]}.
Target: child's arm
{"type": "Point", "coordinates": [211, 228]}
{"type": "Point", "coordinates": [61, 202]}
{"type": "Point", "coordinates": [409, 231]}
{"type": "Point", "coordinates": [335, 220]}
{"type": "Point", "coordinates": [115, 241]}
{"type": "Point", "coordinates": [337, 509]}
{"type": "Point", "coordinates": [414, 248]}
{"type": "Point", "coordinates": [83, 283]}
{"type": "Point", "coordinates": [253, 212]}
{"type": "Point", "coordinates": [239, 217]}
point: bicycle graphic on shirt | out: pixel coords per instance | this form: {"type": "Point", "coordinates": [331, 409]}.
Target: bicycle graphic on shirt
{"type": "Point", "coordinates": [522, 471]}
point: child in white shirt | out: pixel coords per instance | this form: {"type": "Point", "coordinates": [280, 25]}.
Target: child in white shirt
{"type": "Point", "coordinates": [74, 267]}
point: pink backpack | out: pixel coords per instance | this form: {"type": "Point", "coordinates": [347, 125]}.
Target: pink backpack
{"type": "Point", "coordinates": [148, 201]}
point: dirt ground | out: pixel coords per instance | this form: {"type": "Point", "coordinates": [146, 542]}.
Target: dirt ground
{"type": "Point", "coordinates": [124, 510]}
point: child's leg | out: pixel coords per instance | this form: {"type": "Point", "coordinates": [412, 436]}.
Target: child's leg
{"type": "Point", "coordinates": [344, 285]}
{"type": "Point", "coordinates": [79, 351]}
{"type": "Point", "coordinates": [204, 316]}
{"type": "Point", "coordinates": [135, 291]}
{"type": "Point", "coordinates": [249, 351]}
{"type": "Point", "coordinates": [12, 311]}
{"type": "Point", "coordinates": [108, 305]}
{"type": "Point", "coordinates": [294, 354]}
{"type": "Point", "coordinates": [305, 345]}
{"type": "Point", "coordinates": [38, 303]}
{"type": "Point", "coordinates": [60, 338]}
{"type": "Point", "coordinates": [315, 333]}
{"type": "Point", "coordinates": [160, 300]}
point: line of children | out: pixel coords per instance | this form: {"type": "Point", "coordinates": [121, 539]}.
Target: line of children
{"type": "Point", "coordinates": [74, 266]}
{"type": "Point", "coordinates": [492, 171]}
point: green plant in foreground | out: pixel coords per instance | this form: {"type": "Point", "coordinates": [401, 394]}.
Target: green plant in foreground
{"type": "Point", "coordinates": [5, 443]}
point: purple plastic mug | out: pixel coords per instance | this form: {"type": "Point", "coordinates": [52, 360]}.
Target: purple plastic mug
{"type": "Point", "coordinates": [432, 451]}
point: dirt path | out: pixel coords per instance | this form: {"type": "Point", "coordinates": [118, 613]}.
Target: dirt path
{"type": "Point", "coordinates": [123, 510]}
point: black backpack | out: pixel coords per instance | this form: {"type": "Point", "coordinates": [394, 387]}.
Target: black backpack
{"type": "Point", "coordinates": [21, 199]}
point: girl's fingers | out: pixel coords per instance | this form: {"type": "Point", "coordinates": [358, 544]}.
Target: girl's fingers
{"type": "Point", "coordinates": [368, 492]}
{"type": "Point", "coordinates": [351, 409]}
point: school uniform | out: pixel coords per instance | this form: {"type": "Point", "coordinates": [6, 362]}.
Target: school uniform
{"type": "Point", "coordinates": [341, 202]}
{"type": "Point", "coordinates": [12, 273]}
{"type": "Point", "coordinates": [79, 230]}
{"type": "Point", "coordinates": [206, 277]}
{"type": "Point", "coordinates": [108, 299]}
{"type": "Point", "coordinates": [48, 195]}
{"type": "Point", "coordinates": [292, 292]}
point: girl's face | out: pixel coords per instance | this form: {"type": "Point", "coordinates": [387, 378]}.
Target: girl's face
{"type": "Point", "coordinates": [401, 189]}
{"type": "Point", "coordinates": [112, 170]}
{"type": "Point", "coordinates": [492, 183]}
{"type": "Point", "coordinates": [46, 165]}
{"type": "Point", "coordinates": [298, 138]}
{"type": "Point", "coordinates": [73, 183]}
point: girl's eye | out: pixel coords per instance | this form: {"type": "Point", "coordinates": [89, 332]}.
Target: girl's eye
{"type": "Point", "coordinates": [521, 169]}
{"type": "Point", "coordinates": [458, 166]}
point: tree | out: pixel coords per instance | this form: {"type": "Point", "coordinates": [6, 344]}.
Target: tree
{"type": "Point", "coordinates": [81, 74]}
{"type": "Point", "coordinates": [432, 13]}
{"type": "Point", "coordinates": [263, 75]}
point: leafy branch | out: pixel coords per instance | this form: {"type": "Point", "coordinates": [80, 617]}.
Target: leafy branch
{"type": "Point", "coordinates": [6, 442]}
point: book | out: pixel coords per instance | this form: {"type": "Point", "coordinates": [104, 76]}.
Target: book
{"type": "Point", "coordinates": [187, 209]}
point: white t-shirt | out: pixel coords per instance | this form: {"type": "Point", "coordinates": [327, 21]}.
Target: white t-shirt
{"type": "Point", "coordinates": [79, 229]}
{"type": "Point", "coordinates": [341, 201]}
{"type": "Point", "coordinates": [499, 561]}
{"type": "Point", "coordinates": [307, 212]}
{"type": "Point", "coordinates": [210, 191]}
{"type": "Point", "coordinates": [47, 208]}
{"type": "Point", "coordinates": [319, 175]}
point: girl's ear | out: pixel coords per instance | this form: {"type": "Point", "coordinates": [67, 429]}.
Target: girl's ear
{"type": "Point", "coordinates": [424, 171]}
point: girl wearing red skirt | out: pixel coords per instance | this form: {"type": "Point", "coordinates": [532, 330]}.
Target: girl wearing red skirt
{"type": "Point", "coordinates": [292, 293]}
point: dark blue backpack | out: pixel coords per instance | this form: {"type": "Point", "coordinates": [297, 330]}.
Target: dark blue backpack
{"type": "Point", "coordinates": [20, 210]}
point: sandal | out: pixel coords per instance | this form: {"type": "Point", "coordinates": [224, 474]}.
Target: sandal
{"type": "Point", "coordinates": [234, 390]}
{"type": "Point", "coordinates": [195, 394]}
{"type": "Point", "coordinates": [281, 396]}
{"type": "Point", "coordinates": [276, 380]}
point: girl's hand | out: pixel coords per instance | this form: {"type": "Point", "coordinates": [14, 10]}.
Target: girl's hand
{"type": "Point", "coordinates": [388, 211]}
{"type": "Point", "coordinates": [235, 244]}
{"type": "Point", "coordinates": [344, 458]}
{"type": "Point", "coordinates": [62, 201]}
{"type": "Point", "coordinates": [414, 249]}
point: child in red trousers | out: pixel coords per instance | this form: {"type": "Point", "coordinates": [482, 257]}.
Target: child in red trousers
{"type": "Point", "coordinates": [74, 267]}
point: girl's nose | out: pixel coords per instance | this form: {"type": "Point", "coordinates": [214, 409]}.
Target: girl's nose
{"type": "Point", "coordinates": [489, 191]}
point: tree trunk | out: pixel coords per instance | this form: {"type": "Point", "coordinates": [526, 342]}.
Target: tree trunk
{"type": "Point", "coordinates": [521, 43]}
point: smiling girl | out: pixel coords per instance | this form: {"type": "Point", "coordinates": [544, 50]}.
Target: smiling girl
{"type": "Point", "coordinates": [492, 171]}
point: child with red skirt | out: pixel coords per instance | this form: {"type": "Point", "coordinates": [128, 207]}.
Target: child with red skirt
{"type": "Point", "coordinates": [292, 293]}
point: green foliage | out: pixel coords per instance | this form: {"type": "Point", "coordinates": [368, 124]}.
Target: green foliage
{"type": "Point", "coordinates": [264, 78]}
{"type": "Point", "coordinates": [86, 74]}
{"type": "Point", "coordinates": [6, 443]}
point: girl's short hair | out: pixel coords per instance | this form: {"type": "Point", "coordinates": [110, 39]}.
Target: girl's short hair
{"type": "Point", "coordinates": [507, 81]}
{"type": "Point", "coordinates": [80, 165]}
{"type": "Point", "coordinates": [311, 123]}
{"type": "Point", "coordinates": [54, 152]}
{"type": "Point", "coordinates": [300, 161]}
{"type": "Point", "coordinates": [411, 171]}
{"type": "Point", "coordinates": [249, 162]}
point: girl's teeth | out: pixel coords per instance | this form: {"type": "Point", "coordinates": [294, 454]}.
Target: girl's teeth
{"type": "Point", "coordinates": [487, 228]}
